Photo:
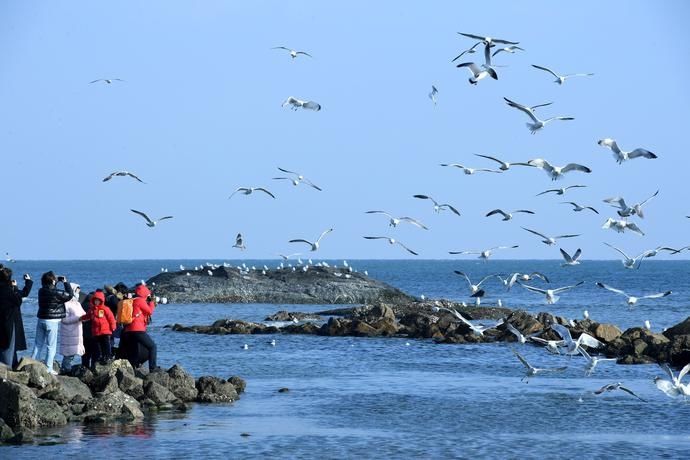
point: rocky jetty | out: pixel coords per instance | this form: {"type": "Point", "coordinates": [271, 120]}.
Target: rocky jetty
{"type": "Point", "coordinates": [32, 398]}
{"type": "Point", "coordinates": [317, 285]}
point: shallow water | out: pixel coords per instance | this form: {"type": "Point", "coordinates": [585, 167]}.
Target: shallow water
{"type": "Point", "coordinates": [398, 398]}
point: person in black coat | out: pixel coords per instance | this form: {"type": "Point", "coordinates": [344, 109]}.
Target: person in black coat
{"type": "Point", "coordinates": [12, 337]}
{"type": "Point", "coordinates": [51, 309]}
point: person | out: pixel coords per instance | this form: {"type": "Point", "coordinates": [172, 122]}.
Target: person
{"type": "Point", "coordinates": [134, 333]}
{"type": "Point", "coordinates": [112, 299]}
{"type": "Point", "coordinates": [51, 310]}
{"type": "Point", "coordinates": [71, 334]}
{"type": "Point", "coordinates": [102, 325]}
{"type": "Point", "coordinates": [12, 337]}
{"type": "Point", "coordinates": [88, 359]}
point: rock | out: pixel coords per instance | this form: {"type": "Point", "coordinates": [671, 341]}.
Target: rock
{"type": "Point", "coordinates": [158, 393]}
{"type": "Point", "coordinates": [679, 350]}
{"type": "Point", "coordinates": [129, 384]}
{"type": "Point", "coordinates": [39, 377]}
{"type": "Point", "coordinates": [283, 390]}
{"type": "Point", "coordinates": [682, 328]}
{"type": "Point", "coordinates": [182, 385]}
{"type": "Point", "coordinates": [105, 383]}
{"type": "Point", "coordinates": [72, 387]}
{"type": "Point", "coordinates": [213, 389]}
{"type": "Point", "coordinates": [285, 315]}
{"type": "Point", "coordinates": [18, 377]}
{"type": "Point", "coordinates": [525, 322]}
{"type": "Point", "coordinates": [606, 332]}
{"type": "Point", "coordinates": [6, 432]}
{"type": "Point", "coordinates": [362, 329]}
{"type": "Point", "coordinates": [306, 328]}
{"type": "Point", "coordinates": [83, 373]}
{"type": "Point", "coordinates": [20, 407]}
{"type": "Point", "coordinates": [112, 405]}
{"type": "Point", "coordinates": [22, 435]}
{"type": "Point", "coordinates": [238, 383]}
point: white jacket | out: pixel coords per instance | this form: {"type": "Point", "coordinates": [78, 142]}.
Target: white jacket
{"type": "Point", "coordinates": [71, 339]}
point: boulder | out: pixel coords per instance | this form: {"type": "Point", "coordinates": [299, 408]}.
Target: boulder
{"type": "Point", "coordinates": [181, 384]}
{"type": "Point", "coordinates": [606, 332]}
{"type": "Point", "coordinates": [104, 383]}
{"type": "Point", "coordinates": [525, 322]}
{"type": "Point", "coordinates": [20, 407]}
{"type": "Point", "coordinates": [679, 350]}
{"type": "Point", "coordinates": [239, 383]}
{"type": "Point", "coordinates": [72, 387]}
{"type": "Point", "coordinates": [112, 405]}
{"type": "Point", "coordinates": [306, 328]}
{"type": "Point", "coordinates": [130, 384]}
{"type": "Point", "coordinates": [6, 432]}
{"type": "Point", "coordinates": [284, 316]}
{"type": "Point", "coordinates": [39, 377]}
{"type": "Point", "coordinates": [213, 390]}
{"type": "Point", "coordinates": [682, 328]}
{"type": "Point", "coordinates": [158, 393]}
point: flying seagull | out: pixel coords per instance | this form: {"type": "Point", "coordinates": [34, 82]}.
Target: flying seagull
{"type": "Point", "coordinates": [533, 371]}
{"type": "Point", "coordinates": [469, 171]}
{"type": "Point", "coordinates": [536, 124]}
{"type": "Point", "coordinates": [485, 254]}
{"type": "Point", "coordinates": [552, 346]}
{"type": "Point", "coordinates": [560, 79]}
{"type": "Point", "coordinates": [293, 53]}
{"type": "Point", "coordinates": [621, 155]}
{"type": "Point", "coordinates": [632, 300]}
{"type": "Point", "coordinates": [574, 260]}
{"type": "Point", "coordinates": [556, 172]}
{"type": "Point", "coordinates": [505, 166]}
{"type": "Point", "coordinates": [8, 258]}
{"type": "Point", "coordinates": [474, 288]}
{"type": "Point", "coordinates": [510, 281]}
{"type": "Point", "coordinates": [391, 241]}
{"type": "Point", "coordinates": [122, 174]}
{"type": "Point", "coordinates": [578, 208]}
{"type": "Point", "coordinates": [549, 240]}
{"type": "Point", "coordinates": [626, 211]}
{"type": "Point", "coordinates": [394, 221]}
{"type": "Point", "coordinates": [467, 51]}
{"type": "Point", "coordinates": [295, 104]}
{"type": "Point", "coordinates": [616, 386]}
{"type": "Point", "coordinates": [508, 215]}
{"type": "Point", "coordinates": [239, 242]}
{"type": "Point", "coordinates": [106, 80]}
{"type": "Point", "coordinates": [560, 191]}
{"type": "Point", "coordinates": [675, 387]}
{"type": "Point", "coordinates": [488, 40]}
{"type": "Point", "coordinates": [433, 93]}
{"type": "Point", "coordinates": [573, 347]}
{"type": "Point", "coordinates": [629, 262]}
{"type": "Point", "coordinates": [250, 190]}
{"type": "Point", "coordinates": [477, 329]}
{"type": "Point", "coordinates": [479, 73]}
{"type": "Point", "coordinates": [592, 361]}
{"type": "Point", "coordinates": [508, 49]}
{"type": "Point", "coordinates": [551, 294]}
{"type": "Point", "coordinates": [621, 226]}
{"type": "Point", "coordinates": [149, 222]}
{"type": "Point", "coordinates": [296, 179]}
{"type": "Point", "coordinates": [286, 257]}
{"type": "Point", "coordinates": [438, 207]}
{"type": "Point", "coordinates": [314, 245]}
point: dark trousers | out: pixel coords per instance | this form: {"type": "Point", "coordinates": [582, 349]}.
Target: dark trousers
{"type": "Point", "coordinates": [139, 348]}
{"type": "Point", "coordinates": [8, 355]}
{"type": "Point", "coordinates": [103, 349]}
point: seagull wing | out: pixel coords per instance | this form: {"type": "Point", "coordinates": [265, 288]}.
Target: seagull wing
{"type": "Point", "coordinates": [312, 185]}
{"type": "Point", "coordinates": [133, 176]}
{"type": "Point", "coordinates": [305, 53]}
{"type": "Point", "coordinates": [484, 279]}
{"type": "Point", "coordinates": [609, 288]}
{"type": "Point", "coordinates": [536, 233]}
{"type": "Point", "coordinates": [523, 108]}
{"type": "Point", "coordinates": [496, 211]}
{"type": "Point", "coordinates": [523, 360]}
{"type": "Point", "coordinates": [455, 211]}
{"type": "Point", "coordinates": [547, 191]}
{"type": "Point", "coordinates": [540, 105]}
{"type": "Point", "coordinates": [458, 272]}
{"type": "Point", "coordinates": [376, 238]}
{"type": "Point", "coordinates": [578, 75]}
{"type": "Point", "coordinates": [487, 55]}
{"type": "Point", "coordinates": [504, 42]}
{"type": "Point", "coordinates": [240, 189]}
{"type": "Point", "coordinates": [563, 332]}
{"type": "Point", "coordinates": [546, 69]}
{"type": "Point", "coordinates": [288, 172]}
{"type": "Point", "coordinates": [588, 340]}
{"type": "Point", "coordinates": [425, 197]}
{"type": "Point", "coordinates": [142, 215]}
{"type": "Point", "coordinates": [311, 105]}
{"type": "Point", "coordinates": [526, 211]}
{"type": "Point", "coordinates": [577, 254]}
{"type": "Point", "coordinates": [575, 167]}
{"type": "Point", "coordinates": [540, 275]}
{"type": "Point", "coordinates": [406, 248]}
{"type": "Point", "coordinates": [469, 50]}
{"type": "Point", "coordinates": [519, 335]}
{"type": "Point", "coordinates": [656, 296]}
{"type": "Point", "coordinates": [629, 391]}
{"type": "Point", "coordinates": [617, 201]}
{"type": "Point", "coordinates": [645, 201]}
{"type": "Point", "coordinates": [301, 241]}
{"type": "Point", "coordinates": [281, 48]}
{"type": "Point", "coordinates": [379, 212]}
{"type": "Point", "coordinates": [476, 37]}
{"type": "Point", "coordinates": [414, 222]}
{"type": "Point", "coordinates": [667, 387]}
{"type": "Point", "coordinates": [489, 158]}
{"type": "Point", "coordinates": [665, 367]}
{"type": "Point", "coordinates": [533, 289]}
{"type": "Point", "coordinates": [566, 256]}
{"type": "Point", "coordinates": [634, 228]}
{"type": "Point", "coordinates": [641, 153]}
{"type": "Point", "coordinates": [683, 371]}
{"type": "Point", "coordinates": [265, 191]}
{"type": "Point", "coordinates": [164, 218]}
{"type": "Point", "coordinates": [564, 236]}
{"type": "Point", "coordinates": [603, 389]}
{"type": "Point", "coordinates": [324, 233]}
{"type": "Point", "coordinates": [567, 288]}
{"type": "Point", "coordinates": [110, 176]}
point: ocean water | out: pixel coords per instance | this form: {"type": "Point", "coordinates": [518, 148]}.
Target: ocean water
{"type": "Point", "coordinates": [398, 398]}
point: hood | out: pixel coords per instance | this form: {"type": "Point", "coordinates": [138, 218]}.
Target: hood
{"type": "Point", "coordinates": [142, 291]}
{"type": "Point", "coordinates": [98, 295]}
{"type": "Point", "coordinates": [75, 294]}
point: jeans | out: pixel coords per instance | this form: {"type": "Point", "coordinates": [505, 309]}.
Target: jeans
{"type": "Point", "coordinates": [8, 355]}
{"type": "Point", "coordinates": [46, 337]}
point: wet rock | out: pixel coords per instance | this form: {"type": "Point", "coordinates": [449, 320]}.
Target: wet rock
{"type": "Point", "coordinates": [606, 332]}
{"type": "Point", "coordinates": [19, 406]}
{"type": "Point", "coordinates": [682, 328]}
{"type": "Point", "coordinates": [22, 435]}
{"type": "Point", "coordinates": [213, 389]}
{"type": "Point", "coordinates": [283, 390]}
{"type": "Point", "coordinates": [6, 432]}
{"type": "Point", "coordinates": [306, 328]}
{"type": "Point", "coordinates": [39, 377]}
{"type": "Point", "coordinates": [679, 350]}
{"type": "Point", "coordinates": [293, 316]}
{"type": "Point", "coordinates": [181, 384]}
{"type": "Point", "coordinates": [130, 384]}
{"type": "Point", "coordinates": [239, 383]}
{"type": "Point", "coordinates": [158, 393]}
{"type": "Point", "coordinates": [72, 387]}
{"type": "Point", "coordinates": [113, 405]}
{"type": "Point", "coordinates": [105, 383]}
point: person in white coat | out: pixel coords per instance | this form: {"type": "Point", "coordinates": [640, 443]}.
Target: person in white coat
{"type": "Point", "coordinates": [71, 337]}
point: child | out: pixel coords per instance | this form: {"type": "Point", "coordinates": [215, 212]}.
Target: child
{"type": "Point", "coordinates": [71, 340]}
{"type": "Point", "coordinates": [102, 325]}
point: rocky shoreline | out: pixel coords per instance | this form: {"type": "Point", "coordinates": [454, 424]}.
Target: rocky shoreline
{"type": "Point", "coordinates": [418, 320]}
{"type": "Point", "coordinates": [32, 398]}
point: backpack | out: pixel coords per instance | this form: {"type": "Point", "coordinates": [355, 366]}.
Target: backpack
{"type": "Point", "coordinates": [124, 311]}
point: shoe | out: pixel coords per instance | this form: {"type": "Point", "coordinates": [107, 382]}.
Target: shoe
{"type": "Point", "coordinates": [52, 372]}
{"type": "Point", "coordinates": [156, 369]}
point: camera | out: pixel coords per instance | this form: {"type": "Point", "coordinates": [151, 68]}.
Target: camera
{"type": "Point", "coordinates": [61, 279]}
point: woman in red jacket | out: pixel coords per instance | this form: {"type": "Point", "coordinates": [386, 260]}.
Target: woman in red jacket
{"type": "Point", "coordinates": [102, 325]}
{"type": "Point", "coordinates": [134, 333]}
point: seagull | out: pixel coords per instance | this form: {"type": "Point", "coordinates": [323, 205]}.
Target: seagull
{"type": "Point", "coordinates": [438, 207]}
{"type": "Point", "coordinates": [621, 225]}
{"type": "Point", "coordinates": [250, 190]}
{"type": "Point", "coordinates": [536, 124]}
{"type": "Point", "coordinates": [488, 40]}
{"type": "Point", "coordinates": [469, 171]}
{"type": "Point", "coordinates": [551, 294]}
{"type": "Point", "coordinates": [468, 51]}
{"type": "Point", "coordinates": [485, 254]}
{"type": "Point", "coordinates": [475, 288]}
{"type": "Point", "coordinates": [479, 73]}
{"type": "Point", "coordinates": [272, 343]}
{"type": "Point", "coordinates": [106, 80]}
{"type": "Point", "coordinates": [315, 244]}
{"type": "Point", "coordinates": [297, 103]}
{"type": "Point", "coordinates": [518, 335]}
{"type": "Point", "coordinates": [122, 174]}
{"type": "Point", "coordinates": [293, 53]}
{"type": "Point", "coordinates": [508, 49]}
{"type": "Point", "coordinates": [533, 371]}
{"type": "Point", "coordinates": [560, 79]}
{"type": "Point", "coordinates": [616, 386]}
{"type": "Point", "coordinates": [433, 93]}
{"type": "Point", "coordinates": [674, 387]}
{"type": "Point", "coordinates": [297, 179]}
{"type": "Point", "coordinates": [149, 222]}
{"type": "Point", "coordinates": [549, 240]}
{"type": "Point", "coordinates": [286, 257]}
{"type": "Point", "coordinates": [508, 215]}
{"type": "Point", "coordinates": [621, 155]}
{"type": "Point", "coordinates": [648, 325]}
{"type": "Point", "coordinates": [560, 191]}
{"type": "Point", "coordinates": [510, 281]}
{"type": "Point", "coordinates": [625, 210]}
{"type": "Point", "coordinates": [632, 300]}
{"type": "Point", "coordinates": [629, 262]}
{"type": "Point", "coordinates": [578, 208]}
{"type": "Point", "coordinates": [391, 241]}
{"type": "Point", "coordinates": [245, 347]}
{"type": "Point", "coordinates": [239, 242]}
{"type": "Point", "coordinates": [552, 346]}
{"type": "Point", "coordinates": [574, 346]}
{"type": "Point", "coordinates": [574, 260]}
{"type": "Point", "coordinates": [477, 329]}
{"type": "Point", "coordinates": [592, 361]}
{"type": "Point", "coordinates": [556, 172]}
{"type": "Point", "coordinates": [505, 166]}
{"type": "Point", "coordinates": [394, 221]}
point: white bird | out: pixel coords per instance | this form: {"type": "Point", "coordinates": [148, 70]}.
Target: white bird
{"type": "Point", "coordinates": [505, 166]}
{"type": "Point", "coordinates": [511, 279]}
{"type": "Point", "coordinates": [467, 51]}
{"type": "Point", "coordinates": [585, 314]}
{"type": "Point", "coordinates": [394, 221]}
{"type": "Point", "coordinates": [578, 208]}
{"type": "Point", "coordinates": [592, 361]}
{"type": "Point", "coordinates": [518, 335]}
{"type": "Point", "coordinates": [293, 53]}
{"type": "Point", "coordinates": [508, 215]}
{"type": "Point", "coordinates": [549, 240]}
{"type": "Point", "coordinates": [551, 294]}
{"type": "Point", "coordinates": [245, 347]}
{"type": "Point", "coordinates": [574, 260]}
{"type": "Point", "coordinates": [122, 174]}
{"type": "Point", "coordinates": [573, 347]}
{"type": "Point", "coordinates": [314, 245]}
{"type": "Point", "coordinates": [479, 73]}
{"type": "Point", "coordinates": [621, 226]}
{"type": "Point", "coordinates": [475, 288]}
{"type": "Point", "coordinates": [488, 40]}
{"type": "Point", "coordinates": [182, 268]}
{"type": "Point", "coordinates": [622, 155]}
{"type": "Point", "coordinates": [209, 272]}
{"type": "Point", "coordinates": [469, 171]}
{"type": "Point", "coordinates": [552, 346]}
{"type": "Point", "coordinates": [616, 386]}
{"type": "Point", "coordinates": [485, 254]}
{"type": "Point", "coordinates": [391, 241]}
{"type": "Point", "coordinates": [648, 325]}
{"type": "Point", "coordinates": [297, 179]}
{"type": "Point", "coordinates": [239, 242]}
{"type": "Point", "coordinates": [536, 124]}
{"type": "Point", "coordinates": [675, 387]}
{"type": "Point", "coordinates": [477, 329]}
{"type": "Point", "coordinates": [286, 257]}
{"type": "Point", "coordinates": [106, 80]}
{"type": "Point", "coordinates": [626, 211]}
{"type": "Point", "coordinates": [149, 222]}
{"type": "Point", "coordinates": [508, 49]}
{"type": "Point", "coordinates": [8, 258]}
{"type": "Point", "coordinates": [560, 79]}
{"type": "Point", "coordinates": [272, 343]}
{"type": "Point", "coordinates": [433, 93]}
{"type": "Point", "coordinates": [632, 300]}
{"type": "Point", "coordinates": [560, 191]}
{"type": "Point", "coordinates": [295, 104]}
{"type": "Point", "coordinates": [629, 262]}
{"type": "Point", "coordinates": [438, 207]}
{"type": "Point", "coordinates": [556, 172]}
{"type": "Point", "coordinates": [250, 190]}
{"type": "Point", "coordinates": [533, 371]}
{"type": "Point", "coordinates": [654, 252]}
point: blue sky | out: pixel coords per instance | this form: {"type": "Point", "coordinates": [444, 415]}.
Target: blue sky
{"type": "Point", "coordinates": [199, 115]}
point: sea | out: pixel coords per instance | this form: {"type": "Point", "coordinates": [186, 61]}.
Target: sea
{"type": "Point", "coordinates": [396, 397]}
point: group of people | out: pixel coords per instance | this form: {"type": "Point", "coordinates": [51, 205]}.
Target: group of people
{"type": "Point", "coordinates": [83, 325]}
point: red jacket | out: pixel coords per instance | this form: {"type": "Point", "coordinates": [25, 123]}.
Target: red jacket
{"type": "Point", "coordinates": [102, 318]}
{"type": "Point", "coordinates": [141, 310]}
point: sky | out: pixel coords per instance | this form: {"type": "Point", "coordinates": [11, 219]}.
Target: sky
{"type": "Point", "coordinates": [199, 114]}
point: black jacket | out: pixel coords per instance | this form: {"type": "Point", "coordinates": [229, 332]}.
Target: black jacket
{"type": "Point", "coordinates": [51, 301]}
{"type": "Point", "coordinates": [11, 315]}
